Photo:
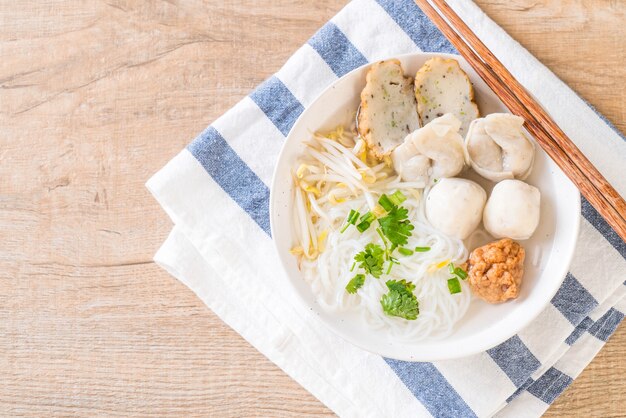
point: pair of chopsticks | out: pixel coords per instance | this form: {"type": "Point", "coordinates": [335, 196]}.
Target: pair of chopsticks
{"type": "Point", "coordinates": [550, 137]}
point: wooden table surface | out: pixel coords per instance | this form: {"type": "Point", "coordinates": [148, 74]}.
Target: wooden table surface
{"type": "Point", "coordinates": [95, 96]}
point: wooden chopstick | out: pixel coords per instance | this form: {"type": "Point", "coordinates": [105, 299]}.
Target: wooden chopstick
{"type": "Point", "coordinates": [536, 110]}
{"type": "Point", "coordinates": [550, 137]}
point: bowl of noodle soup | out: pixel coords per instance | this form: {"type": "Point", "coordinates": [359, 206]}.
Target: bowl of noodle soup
{"type": "Point", "coordinates": [321, 170]}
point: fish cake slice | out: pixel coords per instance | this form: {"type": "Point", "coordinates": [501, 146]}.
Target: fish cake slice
{"type": "Point", "coordinates": [441, 87]}
{"type": "Point", "coordinates": [388, 109]}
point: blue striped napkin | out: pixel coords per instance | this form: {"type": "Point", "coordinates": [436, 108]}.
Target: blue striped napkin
{"type": "Point", "coordinates": [216, 192]}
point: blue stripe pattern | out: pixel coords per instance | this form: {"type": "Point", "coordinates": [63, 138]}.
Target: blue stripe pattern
{"type": "Point", "coordinates": [515, 360]}
{"type": "Point", "coordinates": [429, 386]}
{"type": "Point", "coordinates": [602, 226]}
{"type": "Point", "coordinates": [278, 104]}
{"type": "Point", "coordinates": [424, 380]}
{"type": "Point", "coordinates": [336, 50]}
{"type": "Point", "coordinates": [520, 389]}
{"type": "Point", "coordinates": [233, 175]}
{"type": "Point", "coordinates": [573, 300]}
{"type": "Point", "coordinates": [416, 24]}
{"type": "Point", "coordinates": [580, 329]}
{"type": "Point", "coordinates": [606, 325]}
{"type": "Point", "coordinates": [550, 385]}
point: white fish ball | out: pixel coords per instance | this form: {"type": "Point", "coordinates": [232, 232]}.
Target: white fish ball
{"type": "Point", "coordinates": [512, 210]}
{"type": "Point", "coordinates": [455, 206]}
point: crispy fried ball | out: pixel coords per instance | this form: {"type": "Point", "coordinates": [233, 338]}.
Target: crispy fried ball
{"type": "Point", "coordinates": [495, 270]}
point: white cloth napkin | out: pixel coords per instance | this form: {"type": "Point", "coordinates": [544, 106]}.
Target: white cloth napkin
{"type": "Point", "coordinates": [216, 192]}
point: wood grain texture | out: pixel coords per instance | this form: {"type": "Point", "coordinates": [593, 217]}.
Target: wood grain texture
{"type": "Point", "coordinates": [97, 96]}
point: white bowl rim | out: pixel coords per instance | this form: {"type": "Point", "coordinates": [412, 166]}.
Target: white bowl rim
{"type": "Point", "coordinates": [480, 344]}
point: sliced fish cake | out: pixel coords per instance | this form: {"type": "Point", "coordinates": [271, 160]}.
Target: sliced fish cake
{"type": "Point", "coordinates": [388, 108]}
{"type": "Point", "coordinates": [441, 87]}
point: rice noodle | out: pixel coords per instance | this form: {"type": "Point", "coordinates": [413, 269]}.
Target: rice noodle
{"type": "Point", "coordinates": [346, 182]}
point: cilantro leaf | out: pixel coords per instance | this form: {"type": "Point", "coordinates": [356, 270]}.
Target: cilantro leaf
{"type": "Point", "coordinates": [396, 226]}
{"type": "Point", "coordinates": [400, 301]}
{"type": "Point", "coordinates": [400, 286]}
{"type": "Point", "coordinates": [355, 283]}
{"type": "Point", "coordinates": [371, 259]}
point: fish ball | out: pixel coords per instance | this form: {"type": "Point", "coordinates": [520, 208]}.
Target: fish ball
{"type": "Point", "coordinates": [455, 206]}
{"type": "Point", "coordinates": [512, 210]}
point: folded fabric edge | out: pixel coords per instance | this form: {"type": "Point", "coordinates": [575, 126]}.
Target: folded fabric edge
{"type": "Point", "coordinates": [174, 196]}
{"type": "Point", "coordinates": [538, 394]}
{"type": "Point", "coordinates": [179, 258]}
{"type": "Point", "coordinates": [572, 357]}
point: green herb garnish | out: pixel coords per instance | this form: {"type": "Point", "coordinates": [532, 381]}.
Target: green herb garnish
{"type": "Point", "coordinates": [392, 261]}
{"type": "Point", "coordinates": [451, 268]}
{"type": "Point", "coordinates": [397, 198]}
{"type": "Point", "coordinates": [352, 218]}
{"type": "Point", "coordinates": [457, 271]}
{"type": "Point", "coordinates": [355, 283]}
{"type": "Point", "coordinates": [396, 226]}
{"type": "Point", "coordinates": [365, 221]}
{"type": "Point", "coordinates": [422, 249]}
{"type": "Point", "coordinates": [405, 251]}
{"type": "Point", "coordinates": [461, 273]}
{"type": "Point", "coordinates": [380, 234]}
{"type": "Point", "coordinates": [363, 226]}
{"type": "Point", "coordinates": [454, 286]}
{"type": "Point", "coordinates": [391, 201]}
{"type": "Point", "coordinates": [368, 217]}
{"type": "Point", "coordinates": [400, 301]}
{"type": "Point", "coordinates": [371, 259]}
{"type": "Point", "coordinates": [385, 202]}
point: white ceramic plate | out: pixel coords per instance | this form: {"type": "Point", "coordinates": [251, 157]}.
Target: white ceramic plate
{"type": "Point", "coordinates": [548, 252]}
